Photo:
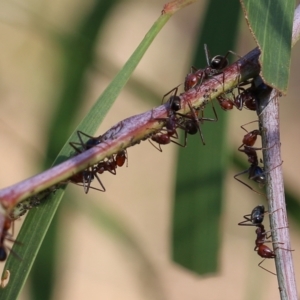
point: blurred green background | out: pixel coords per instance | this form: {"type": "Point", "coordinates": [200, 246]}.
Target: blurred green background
{"type": "Point", "coordinates": [56, 59]}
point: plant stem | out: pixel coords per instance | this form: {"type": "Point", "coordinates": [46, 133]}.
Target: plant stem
{"type": "Point", "coordinates": [132, 131]}
{"type": "Point", "coordinates": [269, 122]}
{"type": "Point", "coordinates": [268, 111]}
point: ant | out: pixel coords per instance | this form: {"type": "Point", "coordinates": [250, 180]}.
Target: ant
{"type": "Point", "coordinates": [171, 124]}
{"type": "Point", "coordinates": [85, 177]}
{"type": "Point", "coordinates": [91, 142]}
{"type": "Point", "coordinates": [245, 98]}
{"type": "Point", "coordinates": [263, 250]}
{"type": "Point", "coordinates": [214, 67]}
{"type": "Point", "coordinates": [260, 247]}
{"type": "Point", "coordinates": [255, 172]}
{"type": "Point", "coordinates": [189, 123]}
{"type": "Point", "coordinates": [255, 219]}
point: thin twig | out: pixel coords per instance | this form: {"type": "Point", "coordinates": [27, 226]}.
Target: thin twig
{"type": "Point", "coordinates": [131, 131]}
{"type": "Point", "coordinates": [269, 122]}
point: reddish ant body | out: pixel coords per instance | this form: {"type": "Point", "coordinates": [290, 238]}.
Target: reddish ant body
{"type": "Point", "coordinates": [260, 247]}
{"type": "Point", "coordinates": [214, 67]}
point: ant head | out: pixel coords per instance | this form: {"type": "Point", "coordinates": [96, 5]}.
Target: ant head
{"type": "Point", "coordinates": [191, 127]}
{"type": "Point", "coordinates": [259, 175]}
{"type": "Point", "coordinates": [91, 143]}
{"type": "Point", "coordinates": [175, 103]}
{"type": "Point", "coordinates": [218, 62]}
{"type": "Point", "coordinates": [257, 214]}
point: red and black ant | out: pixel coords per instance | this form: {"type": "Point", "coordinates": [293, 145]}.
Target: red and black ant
{"type": "Point", "coordinates": [263, 250]}
{"type": "Point", "coordinates": [84, 178]}
{"type": "Point", "coordinates": [189, 123]}
{"type": "Point", "coordinates": [255, 172]}
{"type": "Point", "coordinates": [247, 98]}
{"type": "Point", "coordinates": [214, 67]}
{"type": "Point", "coordinates": [244, 98]}
{"type": "Point", "coordinates": [255, 219]}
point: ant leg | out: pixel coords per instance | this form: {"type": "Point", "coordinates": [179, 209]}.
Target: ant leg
{"type": "Point", "coordinates": [185, 140]}
{"type": "Point", "coordinates": [158, 148]}
{"type": "Point", "coordinates": [194, 117]}
{"type": "Point", "coordinates": [265, 268]}
{"type": "Point", "coordinates": [81, 143]}
{"type": "Point", "coordinates": [265, 172]}
{"type": "Point", "coordinates": [100, 182]}
{"type": "Point", "coordinates": [244, 172]}
{"type": "Point", "coordinates": [86, 182]}
{"type": "Point", "coordinates": [207, 54]}
{"type": "Point", "coordinates": [242, 126]}
{"type": "Point", "coordinates": [79, 133]}
{"type": "Point", "coordinates": [233, 53]}
{"type": "Point", "coordinates": [126, 155]}
{"type": "Point", "coordinates": [210, 119]}
{"type": "Point", "coordinates": [73, 145]}
{"type": "Point", "coordinates": [173, 91]}
{"type": "Point", "coordinates": [247, 219]}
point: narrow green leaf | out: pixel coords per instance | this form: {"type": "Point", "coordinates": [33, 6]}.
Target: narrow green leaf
{"type": "Point", "coordinates": [38, 220]}
{"type": "Point", "coordinates": [79, 48]}
{"type": "Point", "coordinates": [270, 23]}
{"type": "Point", "coordinates": [201, 169]}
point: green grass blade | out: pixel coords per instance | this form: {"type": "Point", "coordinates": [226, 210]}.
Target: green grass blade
{"type": "Point", "coordinates": [271, 25]}
{"type": "Point", "coordinates": [201, 169]}
{"type": "Point", "coordinates": [79, 48]}
{"type": "Point", "coordinates": [38, 221]}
